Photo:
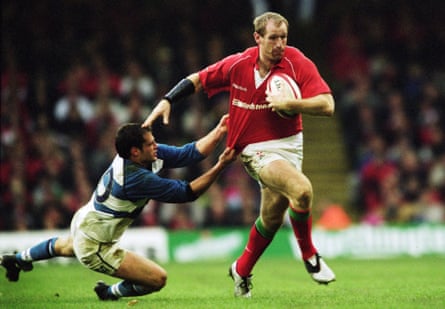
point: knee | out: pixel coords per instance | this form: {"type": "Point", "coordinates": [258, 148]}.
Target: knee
{"type": "Point", "coordinates": [160, 281]}
{"type": "Point", "coordinates": [153, 283]}
{"type": "Point", "coordinates": [64, 247]}
{"type": "Point", "coordinates": [303, 200]}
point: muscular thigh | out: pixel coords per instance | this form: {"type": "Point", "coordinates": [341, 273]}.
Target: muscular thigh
{"type": "Point", "coordinates": [283, 178]}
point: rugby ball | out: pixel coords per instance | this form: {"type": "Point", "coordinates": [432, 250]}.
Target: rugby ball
{"type": "Point", "coordinates": [281, 82]}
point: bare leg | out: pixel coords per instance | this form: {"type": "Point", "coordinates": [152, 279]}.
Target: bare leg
{"type": "Point", "coordinates": [64, 247]}
{"type": "Point", "coordinates": [140, 277]}
{"type": "Point", "coordinates": [142, 271]}
{"type": "Point", "coordinates": [282, 177]}
{"type": "Point", "coordinates": [47, 249]}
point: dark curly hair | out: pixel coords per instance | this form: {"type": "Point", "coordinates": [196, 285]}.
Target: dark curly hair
{"type": "Point", "coordinates": [129, 135]}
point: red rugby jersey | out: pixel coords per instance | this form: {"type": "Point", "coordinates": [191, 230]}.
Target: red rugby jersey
{"type": "Point", "coordinates": [251, 121]}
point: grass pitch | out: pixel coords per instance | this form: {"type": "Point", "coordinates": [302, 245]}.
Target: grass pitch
{"type": "Point", "coordinates": [278, 283]}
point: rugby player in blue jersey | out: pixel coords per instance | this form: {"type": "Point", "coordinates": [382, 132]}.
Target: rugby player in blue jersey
{"type": "Point", "coordinates": [121, 194]}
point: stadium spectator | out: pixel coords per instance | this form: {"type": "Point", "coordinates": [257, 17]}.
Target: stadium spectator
{"type": "Point", "coordinates": [72, 111]}
{"type": "Point", "coordinates": [106, 108]}
{"type": "Point", "coordinates": [78, 74]}
{"type": "Point", "coordinates": [215, 214]}
{"type": "Point", "coordinates": [358, 102]}
{"type": "Point", "coordinates": [136, 109]}
{"type": "Point", "coordinates": [373, 175]}
{"type": "Point", "coordinates": [347, 58]}
{"type": "Point", "coordinates": [240, 197]}
{"type": "Point", "coordinates": [121, 194]}
{"type": "Point", "coordinates": [396, 123]}
{"type": "Point", "coordinates": [182, 219]}
{"type": "Point", "coordinates": [135, 79]}
{"type": "Point", "coordinates": [103, 74]}
{"type": "Point", "coordinates": [39, 103]}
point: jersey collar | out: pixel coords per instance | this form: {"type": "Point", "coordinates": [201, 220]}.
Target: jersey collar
{"type": "Point", "coordinates": [255, 52]}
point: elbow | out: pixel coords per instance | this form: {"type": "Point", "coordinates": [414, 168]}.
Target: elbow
{"type": "Point", "coordinates": [329, 107]}
{"type": "Point", "coordinates": [194, 78]}
{"type": "Point", "coordinates": [192, 195]}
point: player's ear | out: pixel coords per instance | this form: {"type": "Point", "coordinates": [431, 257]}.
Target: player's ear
{"type": "Point", "coordinates": [134, 151]}
{"type": "Point", "coordinates": [256, 36]}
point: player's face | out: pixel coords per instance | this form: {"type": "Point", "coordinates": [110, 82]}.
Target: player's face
{"type": "Point", "coordinates": [149, 150]}
{"type": "Point", "coordinates": [273, 42]}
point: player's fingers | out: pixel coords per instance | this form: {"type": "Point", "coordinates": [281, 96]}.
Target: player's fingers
{"type": "Point", "coordinates": [269, 97]}
{"type": "Point", "coordinates": [223, 120]}
{"type": "Point", "coordinates": [230, 153]}
{"type": "Point", "coordinates": [152, 117]}
{"type": "Point", "coordinates": [147, 122]}
{"type": "Point", "coordinates": [165, 118]}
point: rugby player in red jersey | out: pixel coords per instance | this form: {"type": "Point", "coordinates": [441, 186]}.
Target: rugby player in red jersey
{"type": "Point", "coordinates": [270, 146]}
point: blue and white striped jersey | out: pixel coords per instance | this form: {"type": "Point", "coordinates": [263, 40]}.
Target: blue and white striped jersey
{"type": "Point", "coordinates": [125, 188]}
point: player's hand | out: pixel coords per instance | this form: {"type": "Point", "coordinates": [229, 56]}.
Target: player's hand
{"type": "Point", "coordinates": [163, 109]}
{"type": "Point", "coordinates": [228, 156]}
{"type": "Point", "coordinates": [223, 124]}
{"type": "Point", "coordinates": [277, 100]}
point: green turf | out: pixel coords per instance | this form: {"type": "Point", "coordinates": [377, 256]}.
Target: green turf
{"type": "Point", "coordinates": [278, 283]}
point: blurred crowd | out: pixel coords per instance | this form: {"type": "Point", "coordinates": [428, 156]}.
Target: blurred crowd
{"type": "Point", "coordinates": [389, 67]}
{"type": "Point", "coordinates": [74, 71]}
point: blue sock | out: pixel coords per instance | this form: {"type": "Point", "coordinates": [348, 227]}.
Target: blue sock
{"type": "Point", "coordinates": [127, 288]}
{"type": "Point", "coordinates": [42, 251]}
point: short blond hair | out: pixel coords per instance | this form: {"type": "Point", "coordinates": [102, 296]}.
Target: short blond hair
{"type": "Point", "coordinates": [260, 22]}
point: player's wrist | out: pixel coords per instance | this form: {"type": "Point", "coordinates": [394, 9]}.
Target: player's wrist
{"type": "Point", "coordinates": [182, 89]}
{"type": "Point", "coordinates": [165, 100]}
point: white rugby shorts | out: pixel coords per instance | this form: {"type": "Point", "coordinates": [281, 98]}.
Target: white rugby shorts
{"type": "Point", "coordinates": [98, 256]}
{"type": "Point", "coordinates": [257, 155]}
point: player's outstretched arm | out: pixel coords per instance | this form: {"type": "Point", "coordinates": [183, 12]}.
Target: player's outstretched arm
{"type": "Point", "coordinates": [208, 143]}
{"type": "Point", "coordinates": [182, 89]}
{"type": "Point", "coordinates": [203, 182]}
